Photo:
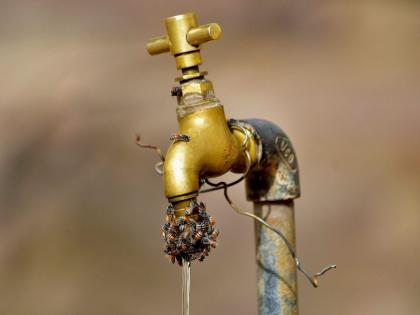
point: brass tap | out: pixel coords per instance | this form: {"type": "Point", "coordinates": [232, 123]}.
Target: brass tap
{"type": "Point", "coordinates": [210, 148]}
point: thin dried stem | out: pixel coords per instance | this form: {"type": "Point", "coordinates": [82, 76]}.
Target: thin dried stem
{"type": "Point", "coordinates": [158, 165]}
{"type": "Point", "coordinates": [149, 146]}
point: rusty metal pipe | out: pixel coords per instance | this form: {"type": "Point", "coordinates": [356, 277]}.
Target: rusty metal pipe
{"type": "Point", "coordinates": [276, 268]}
{"type": "Point", "coordinates": [272, 184]}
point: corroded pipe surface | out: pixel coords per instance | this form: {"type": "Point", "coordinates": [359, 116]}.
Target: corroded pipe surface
{"type": "Point", "coordinates": [272, 185]}
{"type": "Point", "coordinates": [276, 269]}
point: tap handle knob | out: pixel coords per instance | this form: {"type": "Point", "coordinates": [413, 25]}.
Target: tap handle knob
{"type": "Point", "coordinates": [184, 39]}
{"type": "Point", "coordinates": [158, 45]}
{"type": "Point", "coordinates": [202, 34]}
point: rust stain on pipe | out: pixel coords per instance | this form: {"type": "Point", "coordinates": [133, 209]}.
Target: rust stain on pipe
{"type": "Point", "coordinates": [276, 269]}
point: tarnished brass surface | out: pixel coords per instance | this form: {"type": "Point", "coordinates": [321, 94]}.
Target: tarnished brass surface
{"type": "Point", "coordinates": [252, 146]}
{"type": "Point", "coordinates": [184, 38]}
{"type": "Point", "coordinates": [196, 87]}
{"type": "Point", "coordinates": [189, 75]}
{"type": "Point", "coordinates": [194, 95]}
{"type": "Point", "coordinates": [212, 151]}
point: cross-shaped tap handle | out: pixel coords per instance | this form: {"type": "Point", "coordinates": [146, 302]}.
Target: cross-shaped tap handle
{"type": "Point", "coordinates": [183, 40]}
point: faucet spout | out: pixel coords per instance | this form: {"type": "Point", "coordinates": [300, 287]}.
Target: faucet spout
{"type": "Point", "coordinates": [211, 150]}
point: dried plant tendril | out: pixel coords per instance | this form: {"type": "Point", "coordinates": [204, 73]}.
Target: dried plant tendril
{"type": "Point", "coordinates": [189, 237]}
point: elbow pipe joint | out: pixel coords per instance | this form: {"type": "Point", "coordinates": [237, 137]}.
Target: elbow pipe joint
{"type": "Point", "coordinates": [276, 175]}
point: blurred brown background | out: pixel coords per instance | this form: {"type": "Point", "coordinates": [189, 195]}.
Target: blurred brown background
{"type": "Point", "coordinates": [80, 204]}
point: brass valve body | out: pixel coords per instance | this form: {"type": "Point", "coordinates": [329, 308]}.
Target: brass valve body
{"type": "Point", "coordinates": [212, 151]}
